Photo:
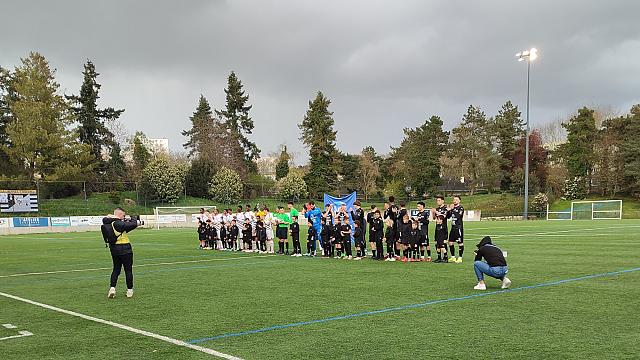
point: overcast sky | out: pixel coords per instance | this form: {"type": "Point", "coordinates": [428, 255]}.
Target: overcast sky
{"type": "Point", "coordinates": [384, 64]}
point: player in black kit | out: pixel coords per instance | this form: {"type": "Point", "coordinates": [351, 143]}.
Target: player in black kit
{"type": "Point", "coordinates": [422, 217]}
{"type": "Point", "coordinates": [440, 215]}
{"type": "Point", "coordinates": [456, 213]}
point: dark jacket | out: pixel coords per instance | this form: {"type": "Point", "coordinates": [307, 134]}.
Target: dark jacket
{"type": "Point", "coordinates": [122, 227]}
{"type": "Point", "coordinates": [295, 230]}
{"type": "Point", "coordinates": [491, 253]}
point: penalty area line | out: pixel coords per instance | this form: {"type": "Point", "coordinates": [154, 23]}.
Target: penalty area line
{"type": "Point", "coordinates": [125, 327]}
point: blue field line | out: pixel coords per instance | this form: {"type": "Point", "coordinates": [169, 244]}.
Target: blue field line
{"type": "Point", "coordinates": [405, 307]}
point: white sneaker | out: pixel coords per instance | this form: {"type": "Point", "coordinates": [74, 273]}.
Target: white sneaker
{"type": "Point", "coordinates": [349, 257]}
{"type": "Point", "coordinates": [392, 259]}
{"type": "Point", "coordinates": [357, 258]}
{"type": "Point", "coordinates": [480, 287]}
{"type": "Point", "coordinates": [112, 293]}
{"type": "Point", "coordinates": [129, 293]}
{"type": "Point", "coordinates": [506, 283]}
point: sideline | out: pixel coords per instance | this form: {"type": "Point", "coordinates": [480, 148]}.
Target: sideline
{"type": "Point", "coordinates": [125, 327]}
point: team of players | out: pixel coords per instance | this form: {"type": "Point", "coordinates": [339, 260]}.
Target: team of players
{"type": "Point", "coordinates": [406, 235]}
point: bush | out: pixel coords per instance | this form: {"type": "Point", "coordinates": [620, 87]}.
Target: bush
{"type": "Point", "coordinates": [199, 177]}
{"type": "Point", "coordinates": [259, 186]}
{"type": "Point", "coordinates": [165, 179]}
{"type": "Point", "coordinates": [115, 197]}
{"type": "Point", "coordinates": [292, 187]}
{"type": "Point", "coordinates": [395, 188]}
{"type": "Point", "coordinates": [226, 186]}
{"type": "Point", "coordinates": [574, 189]}
{"type": "Point", "coordinates": [539, 203]}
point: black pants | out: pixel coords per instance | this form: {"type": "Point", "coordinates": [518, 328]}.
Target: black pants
{"type": "Point", "coordinates": [347, 246]}
{"type": "Point", "coordinates": [122, 260]}
{"type": "Point", "coordinates": [377, 238]}
{"type": "Point", "coordinates": [297, 249]}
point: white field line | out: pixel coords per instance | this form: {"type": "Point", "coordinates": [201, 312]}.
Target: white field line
{"type": "Point", "coordinates": [555, 232]}
{"type": "Point", "coordinates": [125, 327]}
{"type": "Point", "coordinates": [142, 265]}
{"type": "Point", "coordinates": [22, 334]}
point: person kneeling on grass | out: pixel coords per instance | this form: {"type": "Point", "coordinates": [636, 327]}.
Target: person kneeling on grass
{"type": "Point", "coordinates": [495, 265]}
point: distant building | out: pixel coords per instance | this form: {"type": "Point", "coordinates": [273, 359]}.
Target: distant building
{"type": "Point", "coordinates": [157, 146]}
{"type": "Point", "coordinates": [267, 166]}
{"type": "Point", "coordinates": [154, 146]}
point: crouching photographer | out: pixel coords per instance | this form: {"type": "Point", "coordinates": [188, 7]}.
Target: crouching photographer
{"type": "Point", "coordinates": [115, 229]}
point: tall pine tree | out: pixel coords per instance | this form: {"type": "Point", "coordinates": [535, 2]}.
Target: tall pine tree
{"type": "Point", "coordinates": [141, 155]}
{"type": "Point", "coordinates": [422, 149]}
{"type": "Point", "coordinates": [237, 119]}
{"type": "Point", "coordinates": [368, 171]}
{"type": "Point", "coordinates": [578, 151]}
{"type": "Point", "coordinates": [630, 148]}
{"type": "Point", "coordinates": [7, 94]}
{"type": "Point", "coordinates": [320, 138]}
{"type": "Point", "coordinates": [282, 166]}
{"type": "Point", "coordinates": [91, 119]}
{"type": "Point", "coordinates": [201, 126]}
{"type": "Point", "coordinates": [508, 128]}
{"type": "Point", "coordinates": [472, 147]}
{"type": "Point", "coordinates": [37, 133]}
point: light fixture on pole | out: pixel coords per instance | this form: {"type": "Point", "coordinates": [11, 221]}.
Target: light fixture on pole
{"type": "Point", "coordinates": [528, 56]}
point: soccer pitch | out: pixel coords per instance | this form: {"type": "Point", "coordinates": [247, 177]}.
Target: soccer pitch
{"type": "Point", "coordinates": [575, 294]}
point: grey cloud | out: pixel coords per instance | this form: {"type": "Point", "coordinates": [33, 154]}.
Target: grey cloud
{"type": "Point", "coordinates": [385, 64]}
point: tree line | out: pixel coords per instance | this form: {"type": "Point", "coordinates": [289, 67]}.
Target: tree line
{"type": "Point", "coordinates": [46, 135]}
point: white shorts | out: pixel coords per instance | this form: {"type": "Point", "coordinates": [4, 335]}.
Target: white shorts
{"type": "Point", "coordinates": [269, 234]}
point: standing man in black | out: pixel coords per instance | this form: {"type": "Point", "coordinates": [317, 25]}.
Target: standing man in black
{"type": "Point", "coordinates": [115, 229]}
{"type": "Point", "coordinates": [391, 212]}
{"type": "Point", "coordinates": [456, 213]}
{"type": "Point", "coordinates": [441, 211]}
{"type": "Point", "coordinates": [422, 217]}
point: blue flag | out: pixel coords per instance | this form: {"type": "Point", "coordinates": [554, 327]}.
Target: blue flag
{"type": "Point", "coordinates": [337, 202]}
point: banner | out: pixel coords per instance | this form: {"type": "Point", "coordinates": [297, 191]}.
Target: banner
{"type": "Point", "coordinates": [86, 220]}
{"type": "Point", "coordinates": [60, 221]}
{"type": "Point", "coordinates": [30, 222]}
{"type": "Point", "coordinates": [5, 222]}
{"type": "Point", "coordinates": [336, 203]}
{"type": "Point", "coordinates": [173, 218]}
{"type": "Point", "coordinates": [18, 201]}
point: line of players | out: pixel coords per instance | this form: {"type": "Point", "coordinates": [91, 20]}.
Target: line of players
{"type": "Point", "coordinates": [406, 235]}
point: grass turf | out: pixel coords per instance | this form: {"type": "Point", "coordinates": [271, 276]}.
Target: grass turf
{"type": "Point", "coordinates": [189, 294]}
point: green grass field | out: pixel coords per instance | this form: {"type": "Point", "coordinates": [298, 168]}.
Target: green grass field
{"type": "Point", "coordinates": [273, 307]}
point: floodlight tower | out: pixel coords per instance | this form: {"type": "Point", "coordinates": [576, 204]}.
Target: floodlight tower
{"type": "Point", "coordinates": [528, 56]}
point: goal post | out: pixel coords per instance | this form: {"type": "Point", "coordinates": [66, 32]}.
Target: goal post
{"type": "Point", "coordinates": [589, 210]}
{"type": "Point", "coordinates": [559, 215]}
{"type": "Point", "coordinates": [597, 210]}
{"type": "Point", "coordinates": [178, 216]}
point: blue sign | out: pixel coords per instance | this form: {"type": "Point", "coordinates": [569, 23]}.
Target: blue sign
{"type": "Point", "coordinates": [30, 222]}
{"type": "Point", "coordinates": [347, 201]}
{"type": "Point", "coordinates": [60, 221]}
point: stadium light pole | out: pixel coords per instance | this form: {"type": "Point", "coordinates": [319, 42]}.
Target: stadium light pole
{"type": "Point", "coordinates": [529, 56]}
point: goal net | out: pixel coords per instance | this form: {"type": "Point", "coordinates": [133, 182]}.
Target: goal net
{"type": "Point", "coordinates": [588, 210]}
{"type": "Point", "coordinates": [596, 210]}
{"type": "Point", "coordinates": [177, 216]}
